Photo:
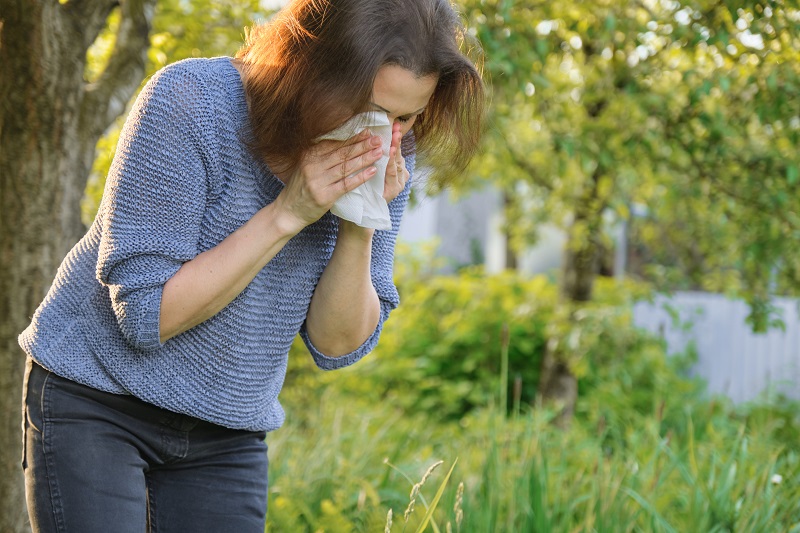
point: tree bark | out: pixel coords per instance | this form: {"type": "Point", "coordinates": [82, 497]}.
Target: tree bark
{"type": "Point", "coordinates": [511, 259]}
{"type": "Point", "coordinates": [50, 122]}
{"type": "Point", "coordinates": [557, 383]}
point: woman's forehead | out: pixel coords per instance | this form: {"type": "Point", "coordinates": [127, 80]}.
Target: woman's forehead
{"type": "Point", "coordinates": [398, 91]}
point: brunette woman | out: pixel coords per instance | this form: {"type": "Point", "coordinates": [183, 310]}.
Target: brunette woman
{"type": "Point", "coordinates": [156, 359]}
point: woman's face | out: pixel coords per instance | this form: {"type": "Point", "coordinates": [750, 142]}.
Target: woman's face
{"type": "Point", "coordinates": [401, 95]}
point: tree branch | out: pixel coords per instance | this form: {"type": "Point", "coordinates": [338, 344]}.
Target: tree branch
{"type": "Point", "coordinates": [87, 18]}
{"type": "Point", "coordinates": [107, 98]}
{"type": "Point", "coordinates": [754, 203]}
{"type": "Point", "coordinates": [519, 161]}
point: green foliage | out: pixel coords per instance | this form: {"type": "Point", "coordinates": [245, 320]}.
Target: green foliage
{"type": "Point", "coordinates": [685, 110]}
{"type": "Point", "coordinates": [200, 28]}
{"type": "Point", "coordinates": [442, 350]}
{"type": "Point", "coordinates": [665, 459]}
{"type": "Point", "coordinates": [203, 28]}
{"type": "Point", "coordinates": [648, 450]}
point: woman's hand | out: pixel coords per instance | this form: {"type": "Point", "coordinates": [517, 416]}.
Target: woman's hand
{"type": "Point", "coordinates": [324, 176]}
{"type": "Point", "coordinates": [396, 173]}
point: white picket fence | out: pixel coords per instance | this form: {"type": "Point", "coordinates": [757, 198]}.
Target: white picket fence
{"type": "Point", "coordinates": [731, 358]}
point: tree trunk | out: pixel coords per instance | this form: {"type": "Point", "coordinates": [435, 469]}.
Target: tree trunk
{"type": "Point", "coordinates": [558, 386]}
{"type": "Point", "coordinates": [557, 383]}
{"type": "Point", "coordinates": [50, 121]}
{"type": "Point", "coordinates": [511, 259]}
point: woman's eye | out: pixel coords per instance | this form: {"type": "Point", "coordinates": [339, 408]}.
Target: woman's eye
{"type": "Point", "coordinates": [403, 119]}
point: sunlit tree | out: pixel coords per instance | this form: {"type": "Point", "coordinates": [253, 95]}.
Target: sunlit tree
{"type": "Point", "coordinates": [687, 110]}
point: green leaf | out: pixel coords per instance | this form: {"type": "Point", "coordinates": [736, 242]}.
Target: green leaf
{"type": "Point", "coordinates": [542, 48]}
{"type": "Point", "coordinates": [772, 81]}
{"type": "Point", "coordinates": [611, 22]}
{"type": "Point", "coordinates": [792, 174]}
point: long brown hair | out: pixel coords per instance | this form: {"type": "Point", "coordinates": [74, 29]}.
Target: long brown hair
{"type": "Point", "coordinates": [313, 66]}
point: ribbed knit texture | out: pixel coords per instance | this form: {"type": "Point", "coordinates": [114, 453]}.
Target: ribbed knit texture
{"type": "Point", "coordinates": [182, 180]}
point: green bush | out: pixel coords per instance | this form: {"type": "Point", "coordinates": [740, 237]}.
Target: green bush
{"type": "Point", "coordinates": [647, 449]}
{"type": "Point", "coordinates": [442, 351]}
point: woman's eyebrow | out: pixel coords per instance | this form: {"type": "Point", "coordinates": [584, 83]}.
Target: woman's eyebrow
{"type": "Point", "coordinates": [420, 110]}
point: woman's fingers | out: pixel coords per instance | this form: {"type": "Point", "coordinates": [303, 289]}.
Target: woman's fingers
{"type": "Point", "coordinates": [334, 168]}
{"type": "Point", "coordinates": [335, 160]}
{"type": "Point", "coordinates": [353, 182]}
{"type": "Point", "coordinates": [397, 135]}
{"type": "Point", "coordinates": [394, 151]}
{"type": "Point", "coordinates": [356, 167]}
{"type": "Point", "coordinates": [396, 175]}
{"type": "Point", "coordinates": [359, 162]}
{"type": "Point", "coordinates": [329, 170]}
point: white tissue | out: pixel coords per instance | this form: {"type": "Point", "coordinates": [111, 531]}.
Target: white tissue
{"type": "Point", "coordinates": [365, 205]}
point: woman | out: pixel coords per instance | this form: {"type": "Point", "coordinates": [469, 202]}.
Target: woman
{"type": "Point", "coordinates": [156, 359]}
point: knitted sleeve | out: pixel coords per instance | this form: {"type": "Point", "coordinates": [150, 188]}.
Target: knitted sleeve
{"type": "Point", "coordinates": [382, 269]}
{"type": "Point", "coordinates": [154, 200]}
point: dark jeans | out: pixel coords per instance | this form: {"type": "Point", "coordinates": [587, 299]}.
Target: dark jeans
{"type": "Point", "coordinates": [100, 462]}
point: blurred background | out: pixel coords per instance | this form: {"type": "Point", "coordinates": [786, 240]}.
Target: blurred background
{"type": "Point", "coordinates": [599, 326]}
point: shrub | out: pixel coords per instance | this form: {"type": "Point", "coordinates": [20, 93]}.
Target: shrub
{"type": "Point", "coordinates": [442, 350]}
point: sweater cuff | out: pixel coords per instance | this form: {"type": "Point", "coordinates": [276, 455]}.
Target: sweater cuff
{"type": "Point", "coordinates": [136, 286]}
{"type": "Point", "coordinates": [148, 334]}
{"type": "Point", "coordinates": [326, 362]}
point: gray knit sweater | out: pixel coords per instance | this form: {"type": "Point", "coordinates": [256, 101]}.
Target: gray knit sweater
{"type": "Point", "coordinates": [182, 180]}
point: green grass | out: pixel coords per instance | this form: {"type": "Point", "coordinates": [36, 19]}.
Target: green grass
{"type": "Point", "coordinates": [453, 380]}
{"type": "Point", "coordinates": [340, 464]}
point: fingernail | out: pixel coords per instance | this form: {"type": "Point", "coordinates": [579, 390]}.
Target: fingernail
{"type": "Point", "coordinates": [375, 141]}
{"type": "Point", "coordinates": [377, 151]}
{"type": "Point", "coordinates": [371, 171]}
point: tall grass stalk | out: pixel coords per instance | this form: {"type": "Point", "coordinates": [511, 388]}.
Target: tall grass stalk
{"type": "Point", "coordinates": [435, 502]}
{"type": "Point", "coordinates": [505, 341]}
{"type": "Point", "coordinates": [699, 470]}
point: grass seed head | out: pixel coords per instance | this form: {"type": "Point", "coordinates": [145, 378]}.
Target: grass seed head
{"type": "Point", "coordinates": [409, 510]}
{"type": "Point", "coordinates": [415, 489]}
{"type": "Point", "coordinates": [458, 505]}
{"type": "Point", "coordinates": [388, 527]}
{"type": "Point", "coordinates": [429, 471]}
